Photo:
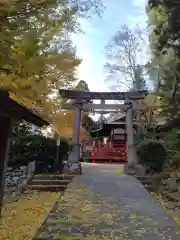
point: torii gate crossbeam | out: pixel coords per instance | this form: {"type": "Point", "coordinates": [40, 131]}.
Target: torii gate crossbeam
{"type": "Point", "coordinates": [133, 95]}
{"type": "Point", "coordinates": [115, 107]}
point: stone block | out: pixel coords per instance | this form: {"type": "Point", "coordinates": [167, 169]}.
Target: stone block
{"type": "Point", "coordinates": [136, 170]}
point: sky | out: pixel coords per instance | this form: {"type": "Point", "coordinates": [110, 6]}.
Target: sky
{"type": "Point", "coordinates": [98, 32]}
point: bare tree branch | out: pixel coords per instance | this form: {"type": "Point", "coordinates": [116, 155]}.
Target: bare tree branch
{"type": "Point", "coordinates": [122, 52]}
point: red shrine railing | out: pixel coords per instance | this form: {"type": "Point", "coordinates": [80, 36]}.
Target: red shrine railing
{"type": "Point", "coordinates": [111, 152]}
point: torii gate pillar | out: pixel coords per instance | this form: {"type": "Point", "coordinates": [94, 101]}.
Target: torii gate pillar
{"type": "Point", "coordinates": [74, 155]}
{"type": "Point", "coordinates": [131, 151]}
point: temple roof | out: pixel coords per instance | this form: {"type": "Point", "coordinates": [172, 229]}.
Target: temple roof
{"type": "Point", "coordinates": [115, 117]}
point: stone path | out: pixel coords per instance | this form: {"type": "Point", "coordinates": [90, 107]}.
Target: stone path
{"type": "Point", "coordinates": [102, 205]}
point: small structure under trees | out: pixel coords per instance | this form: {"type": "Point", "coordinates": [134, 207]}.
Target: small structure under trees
{"type": "Point", "coordinates": [11, 111]}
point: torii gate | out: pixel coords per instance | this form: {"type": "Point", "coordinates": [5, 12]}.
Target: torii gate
{"type": "Point", "coordinates": [83, 102]}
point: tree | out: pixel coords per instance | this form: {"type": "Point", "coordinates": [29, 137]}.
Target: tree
{"type": "Point", "coordinates": [63, 121]}
{"type": "Point", "coordinates": [82, 86]}
{"type": "Point", "coordinates": [122, 64]}
{"type": "Point", "coordinates": [36, 52]}
{"type": "Point", "coordinates": [38, 63]}
{"type": "Point", "coordinates": [165, 62]}
{"type": "Point", "coordinates": [63, 124]}
{"type": "Point", "coordinates": [165, 15]}
{"type": "Point", "coordinates": [87, 122]}
{"type": "Point", "coordinates": [21, 128]}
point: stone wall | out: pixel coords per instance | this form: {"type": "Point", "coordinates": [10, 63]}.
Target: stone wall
{"type": "Point", "coordinates": [17, 178]}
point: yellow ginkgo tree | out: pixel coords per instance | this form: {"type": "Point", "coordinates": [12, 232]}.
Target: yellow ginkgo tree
{"type": "Point", "coordinates": [63, 125]}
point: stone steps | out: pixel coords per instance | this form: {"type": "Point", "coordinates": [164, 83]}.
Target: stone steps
{"type": "Point", "coordinates": [47, 188]}
{"type": "Point", "coordinates": [147, 182]}
{"type": "Point", "coordinates": [49, 182]}
{"type": "Point", "coordinates": [175, 197]}
{"type": "Point", "coordinates": [53, 177]}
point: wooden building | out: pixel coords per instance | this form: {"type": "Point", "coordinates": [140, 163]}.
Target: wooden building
{"type": "Point", "coordinates": [11, 111]}
{"type": "Point", "coordinates": [109, 140]}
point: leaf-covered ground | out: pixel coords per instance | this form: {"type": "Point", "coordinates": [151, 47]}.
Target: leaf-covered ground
{"type": "Point", "coordinates": [175, 213]}
{"type": "Point", "coordinates": [102, 205]}
{"type": "Point", "coordinates": [119, 170]}
{"type": "Point", "coordinates": [21, 219]}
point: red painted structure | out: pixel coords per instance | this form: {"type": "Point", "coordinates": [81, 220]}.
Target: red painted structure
{"type": "Point", "coordinates": [109, 146]}
{"type": "Point", "coordinates": [113, 151]}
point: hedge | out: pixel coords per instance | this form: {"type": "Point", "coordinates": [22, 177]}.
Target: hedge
{"type": "Point", "coordinates": [152, 154]}
{"type": "Point", "coordinates": [24, 149]}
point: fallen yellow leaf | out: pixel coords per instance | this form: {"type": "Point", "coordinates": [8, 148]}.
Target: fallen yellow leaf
{"type": "Point", "coordinates": [21, 219]}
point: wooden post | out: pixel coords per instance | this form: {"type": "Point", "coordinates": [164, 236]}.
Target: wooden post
{"type": "Point", "coordinates": [103, 102]}
{"type": "Point", "coordinates": [74, 155]}
{"type": "Point", "coordinates": [131, 153]}
{"type": "Point", "coordinates": [5, 128]}
{"type": "Point", "coordinates": [57, 164]}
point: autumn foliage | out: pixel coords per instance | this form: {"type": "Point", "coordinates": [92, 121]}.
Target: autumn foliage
{"type": "Point", "coordinates": [63, 124]}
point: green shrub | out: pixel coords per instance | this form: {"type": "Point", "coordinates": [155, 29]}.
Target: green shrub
{"type": "Point", "coordinates": [24, 149]}
{"type": "Point", "coordinates": [175, 161]}
{"type": "Point", "coordinates": [152, 154]}
{"type": "Point", "coordinates": [172, 141]}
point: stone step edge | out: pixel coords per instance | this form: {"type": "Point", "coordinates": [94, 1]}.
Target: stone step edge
{"type": "Point", "coordinates": [51, 180]}
{"type": "Point", "coordinates": [54, 175]}
{"type": "Point", "coordinates": [45, 186]}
